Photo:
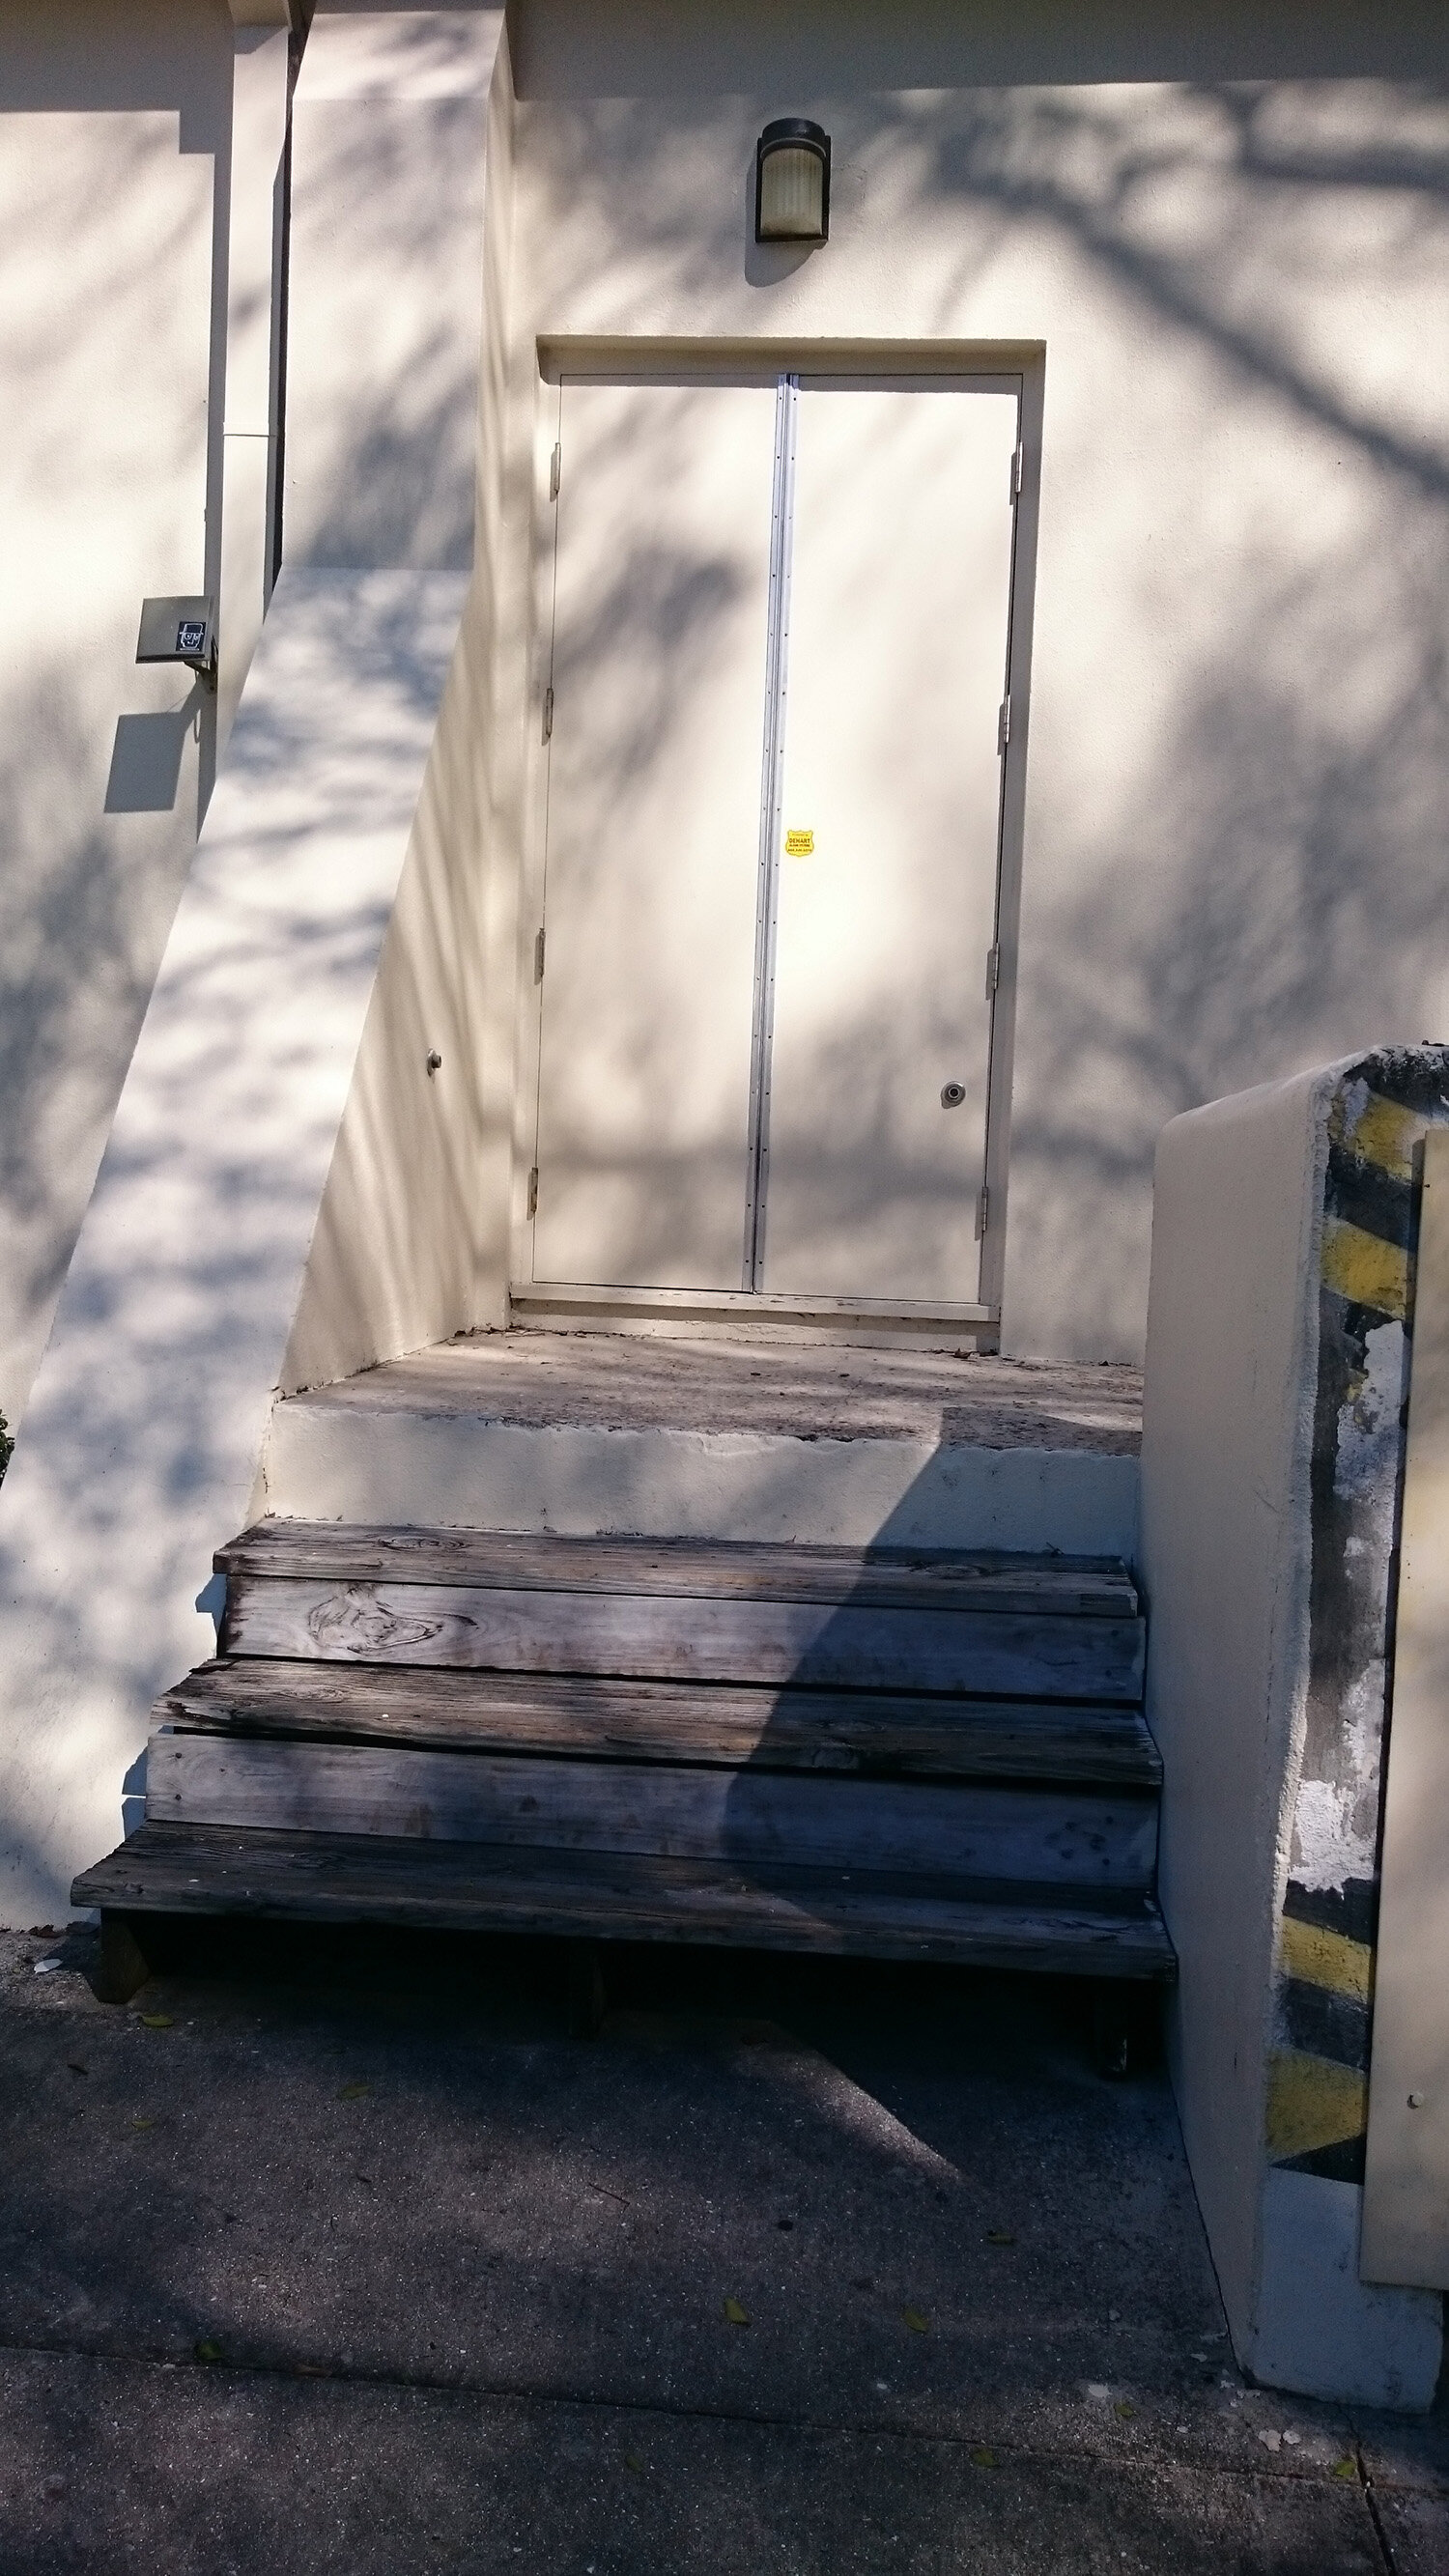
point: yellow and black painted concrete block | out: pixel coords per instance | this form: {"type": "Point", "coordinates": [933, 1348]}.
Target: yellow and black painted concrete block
{"type": "Point", "coordinates": [1323, 1993]}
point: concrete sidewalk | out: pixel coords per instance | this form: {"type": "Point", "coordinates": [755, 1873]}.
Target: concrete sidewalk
{"type": "Point", "coordinates": [339, 2255]}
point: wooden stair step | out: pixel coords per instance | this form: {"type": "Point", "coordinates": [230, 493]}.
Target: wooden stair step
{"type": "Point", "coordinates": [335, 1552]}
{"type": "Point", "coordinates": [642, 1721]}
{"type": "Point", "coordinates": [180, 1869]}
{"type": "Point", "coordinates": [1070, 1837]}
{"type": "Point", "coordinates": [812, 1644]}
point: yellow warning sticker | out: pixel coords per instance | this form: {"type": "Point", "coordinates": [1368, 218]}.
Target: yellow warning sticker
{"type": "Point", "coordinates": [799, 845]}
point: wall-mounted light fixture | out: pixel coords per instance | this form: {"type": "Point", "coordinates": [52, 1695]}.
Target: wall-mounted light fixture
{"type": "Point", "coordinates": [180, 629]}
{"type": "Point", "coordinates": [792, 182]}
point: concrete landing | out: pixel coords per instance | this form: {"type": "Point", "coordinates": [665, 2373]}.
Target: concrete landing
{"type": "Point", "coordinates": [591, 1433]}
{"type": "Point", "coordinates": [339, 2259]}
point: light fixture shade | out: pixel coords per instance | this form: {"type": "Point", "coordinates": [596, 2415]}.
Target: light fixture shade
{"type": "Point", "coordinates": [792, 182]}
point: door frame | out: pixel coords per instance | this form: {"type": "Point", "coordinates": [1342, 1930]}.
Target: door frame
{"type": "Point", "coordinates": [761, 362]}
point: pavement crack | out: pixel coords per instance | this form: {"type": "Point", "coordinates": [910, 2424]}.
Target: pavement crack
{"type": "Point", "coordinates": [1138, 2454]}
{"type": "Point", "coordinates": [1381, 2534]}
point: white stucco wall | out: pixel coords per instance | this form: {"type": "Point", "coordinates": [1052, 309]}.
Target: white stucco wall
{"type": "Point", "coordinates": [1237, 756]}
{"type": "Point", "coordinates": [140, 218]}
{"type": "Point", "coordinates": [385, 311]}
{"type": "Point", "coordinates": [113, 125]}
{"type": "Point", "coordinates": [150, 1407]}
{"type": "Point", "coordinates": [285, 1188]}
{"type": "Point", "coordinates": [402, 204]}
{"type": "Point", "coordinates": [1238, 769]}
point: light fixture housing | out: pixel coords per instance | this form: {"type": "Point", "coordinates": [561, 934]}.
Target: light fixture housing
{"type": "Point", "coordinates": [792, 182]}
{"type": "Point", "coordinates": [181, 627]}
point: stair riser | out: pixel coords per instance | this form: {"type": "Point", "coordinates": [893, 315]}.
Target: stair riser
{"type": "Point", "coordinates": [690, 1722]}
{"type": "Point", "coordinates": [666, 1638]}
{"type": "Point", "coordinates": [1044, 1838]}
{"type": "Point", "coordinates": [389, 1465]}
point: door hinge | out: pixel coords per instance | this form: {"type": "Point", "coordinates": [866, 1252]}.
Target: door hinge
{"type": "Point", "coordinates": [548, 715]}
{"type": "Point", "coordinates": [555, 470]}
{"type": "Point", "coordinates": [533, 1191]}
{"type": "Point", "coordinates": [538, 959]}
{"type": "Point", "coordinates": [983, 1211]}
{"type": "Point", "coordinates": [1003, 725]}
{"type": "Point", "coordinates": [993, 970]}
{"type": "Point", "coordinates": [1016, 464]}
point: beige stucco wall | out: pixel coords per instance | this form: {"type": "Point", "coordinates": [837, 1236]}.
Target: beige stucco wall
{"type": "Point", "coordinates": [140, 145]}
{"type": "Point", "coordinates": [1237, 748]}
{"type": "Point", "coordinates": [402, 200]}
{"type": "Point", "coordinates": [1238, 768]}
{"type": "Point", "coordinates": [112, 117]}
{"type": "Point", "coordinates": [285, 1187]}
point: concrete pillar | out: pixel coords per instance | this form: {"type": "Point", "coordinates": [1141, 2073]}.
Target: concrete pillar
{"type": "Point", "coordinates": [253, 276]}
{"type": "Point", "coordinates": [1272, 1460]}
{"type": "Point", "coordinates": [385, 312]}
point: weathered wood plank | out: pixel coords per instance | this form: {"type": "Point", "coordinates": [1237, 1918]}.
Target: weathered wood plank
{"type": "Point", "coordinates": [729, 1724]}
{"type": "Point", "coordinates": [178, 1869]}
{"type": "Point", "coordinates": [340, 1552]}
{"type": "Point", "coordinates": [664, 1637]}
{"type": "Point", "coordinates": [1082, 1838]}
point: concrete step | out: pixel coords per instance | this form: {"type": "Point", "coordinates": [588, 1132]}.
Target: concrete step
{"type": "Point", "coordinates": [594, 1433]}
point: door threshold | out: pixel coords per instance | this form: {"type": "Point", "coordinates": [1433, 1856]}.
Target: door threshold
{"type": "Point", "coordinates": [739, 1314]}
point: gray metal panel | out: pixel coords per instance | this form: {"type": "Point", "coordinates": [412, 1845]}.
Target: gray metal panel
{"type": "Point", "coordinates": [777, 683]}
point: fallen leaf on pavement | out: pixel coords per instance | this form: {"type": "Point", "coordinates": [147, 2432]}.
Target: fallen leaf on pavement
{"type": "Point", "coordinates": [352, 2092]}
{"type": "Point", "coordinates": [1345, 2468]}
{"type": "Point", "coordinates": [1124, 2408]}
{"type": "Point", "coordinates": [207, 2351]}
{"type": "Point", "coordinates": [157, 2021]}
{"type": "Point", "coordinates": [999, 2236]}
{"type": "Point", "coordinates": [983, 2459]}
{"type": "Point", "coordinates": [734, 2313]}
{"type": "Point", "coordinates": [633, 2461]}
{"type": "Point", "coordinates": [916, 2320]}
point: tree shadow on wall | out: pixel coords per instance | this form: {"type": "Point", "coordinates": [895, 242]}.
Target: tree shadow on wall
{"type": "Point", "coordinates": [1238, 786]}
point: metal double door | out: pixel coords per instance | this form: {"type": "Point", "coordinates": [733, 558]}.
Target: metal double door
{"type": "Point", "coordinates": [775, 712]}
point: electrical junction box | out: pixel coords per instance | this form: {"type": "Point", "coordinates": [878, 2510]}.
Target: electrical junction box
{"type": "Point", "coordinates": [180, 629]}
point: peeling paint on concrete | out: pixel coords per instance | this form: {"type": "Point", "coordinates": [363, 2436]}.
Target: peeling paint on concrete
{"type": "Point", "coordinates": [1317, 2093]}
